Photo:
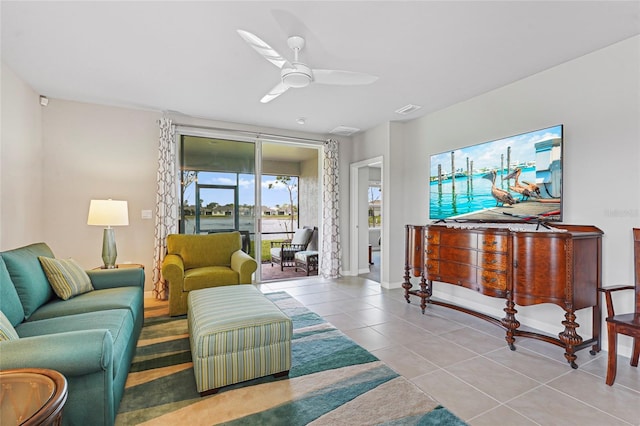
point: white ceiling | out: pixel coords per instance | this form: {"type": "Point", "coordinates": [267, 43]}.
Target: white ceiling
{"type": "Point", "coordinates": [187, 56]}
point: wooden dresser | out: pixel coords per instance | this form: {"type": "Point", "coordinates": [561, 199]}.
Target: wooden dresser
{"type": "Point", "coordinates": [518, 263]}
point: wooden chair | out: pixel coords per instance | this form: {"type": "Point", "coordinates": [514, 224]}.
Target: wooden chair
{"type": "Point", "coordinates": [628, 324]}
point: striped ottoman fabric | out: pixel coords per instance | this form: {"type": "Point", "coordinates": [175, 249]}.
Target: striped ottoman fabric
{"type": "Point", "coordinates": [236, 334]}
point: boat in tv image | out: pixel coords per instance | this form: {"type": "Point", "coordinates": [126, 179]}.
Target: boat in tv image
{"type": "Point", "coordinates": [514, 179]}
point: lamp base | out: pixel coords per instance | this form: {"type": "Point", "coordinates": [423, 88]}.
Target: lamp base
{"type": "Point", "coordinates": [109, 252]}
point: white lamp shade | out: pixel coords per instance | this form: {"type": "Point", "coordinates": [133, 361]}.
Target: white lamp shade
{"type": "Point", "coordinates": [108, 213]}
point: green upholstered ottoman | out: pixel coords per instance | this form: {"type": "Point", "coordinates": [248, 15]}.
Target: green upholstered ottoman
{"type": "Point", "coordinates": [236, 334]}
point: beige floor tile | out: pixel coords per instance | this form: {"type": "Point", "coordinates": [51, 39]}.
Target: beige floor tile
{"type": "Point", "coordinates": [529, 363]}
{"type": "Point", "coordinates": [368, 338]}
{"type": "Point", "coordinates": [344, 321]}
{"type": "Point", "coordinates": [501, 415]}
{"type": "Point", "coordinates": [436, 324]}
{"type": "Point", "coordinates": [494, 379]}
{"type": "Point", "coordinates": [460, 398]}
{"type": "Point", "coordinates": [548, 406]}
{"type": "Point", "coordinates": [405, 362]}
{"type": "Point", "coordinates": [440, 351]}
{"type": "Point", "coordinates": [624, 402]}
{"type": "Point", "coordinates": [473, 340]}
{"type": "Point", "coordinates": [626, 375]}
{"type": "Point", "coordinates": [401, 331]}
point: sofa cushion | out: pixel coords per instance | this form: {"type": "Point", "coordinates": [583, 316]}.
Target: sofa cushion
{"type": "Point", "coordinates": [210, 276]}
{"type": "Point", "coordinates": [7, 332]}
{"type": "Point", "coordinates": [302, 236]}
{"type": "Point", "coordinates": [117, 321]}
{"type": "Point", "coordinates": [9, 300]}
{"type": "Point", "coordinates": [129, 298]}
{"type": "Point", "coordinates": [66, 277]}
{"type": "Point", "coordinates": [27, 275]}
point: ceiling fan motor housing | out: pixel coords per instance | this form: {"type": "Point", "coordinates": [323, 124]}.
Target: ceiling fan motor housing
{"type": "Point", "coordinates": [298, 76]}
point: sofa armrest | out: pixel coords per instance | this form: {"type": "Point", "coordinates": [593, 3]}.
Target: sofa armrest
{"type": "Point", "coordinates": [173, 269]}
{"type": "Point", "coordinates": [110, 278]}
{"type": "Point", "coordinates": [74, 353]}
{"type": "Point", "coordinates": [244, 265]}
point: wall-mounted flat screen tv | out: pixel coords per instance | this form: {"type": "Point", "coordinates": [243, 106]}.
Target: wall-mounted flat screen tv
{"type": "Point", "coordinates": [518, 178]}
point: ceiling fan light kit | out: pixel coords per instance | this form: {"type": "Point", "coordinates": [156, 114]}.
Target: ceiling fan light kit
{"type": "Point", "coordinates": [296, 77]}
{"type": "Point", "coordinates": [296, 74]}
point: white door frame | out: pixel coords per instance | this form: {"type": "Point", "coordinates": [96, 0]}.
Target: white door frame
{"type": "Point", "coordinates": [354, 209]}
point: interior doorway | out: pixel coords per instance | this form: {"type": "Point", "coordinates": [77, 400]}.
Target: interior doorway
{"type": "Point", "coordinates": [367, 191]}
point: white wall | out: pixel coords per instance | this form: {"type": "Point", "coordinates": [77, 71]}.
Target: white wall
{"type": "Point", "coordinates": [22, 211]}
{"type": "Point", "coordinates": [98, 152]}
{"type": "Point", "coordinates": [597, 98]}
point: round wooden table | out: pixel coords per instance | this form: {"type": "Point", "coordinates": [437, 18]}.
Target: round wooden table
{"type": "Point", "coordinates": [32, 396]}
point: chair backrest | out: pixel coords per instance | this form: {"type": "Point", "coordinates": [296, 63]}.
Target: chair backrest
{"type": "Point", "coordinates": [302, 236]}
{"type": "Point", "coordinates": [313, 242]}
{"type": "Point", "coordinates": [636, 267]}
{"type": "Point", "coordinates": [197, 251]}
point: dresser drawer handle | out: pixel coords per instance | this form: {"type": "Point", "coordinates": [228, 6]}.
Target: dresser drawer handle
{"type": "Point", "coordinates": [491, 262]}
{"type": "Point", "coordinates": [490, 243]}
{"type": "Point", "coordinates": [429, 237]}
{"type": "Point", "coordinates": [429, 251]}
{"type": "Point", "coordinates": [489, 280]}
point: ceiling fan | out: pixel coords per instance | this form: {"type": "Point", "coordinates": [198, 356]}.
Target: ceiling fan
{"type": "Point", "coordinates": [296, 74]}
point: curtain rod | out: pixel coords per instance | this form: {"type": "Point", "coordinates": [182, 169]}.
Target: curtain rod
{"type": "Point", "coordinates": [247, 132]}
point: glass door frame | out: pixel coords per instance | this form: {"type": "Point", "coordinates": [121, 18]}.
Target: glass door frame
{"type": "Point", "coordinates": [257, 139]}
{"type": "Point", "coordinates": [236, 201]}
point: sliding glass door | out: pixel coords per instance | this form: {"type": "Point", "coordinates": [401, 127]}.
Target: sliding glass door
{"type": "Point", "coordinates": [226, 186]}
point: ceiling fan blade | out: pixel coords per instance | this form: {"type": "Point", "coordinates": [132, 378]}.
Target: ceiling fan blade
{"type": "Point", "coordinates": [264, 49]}
{"type": "Point", "coordinates": [278, 90]}
{"type": "Point", "coordinates": [343, 78]}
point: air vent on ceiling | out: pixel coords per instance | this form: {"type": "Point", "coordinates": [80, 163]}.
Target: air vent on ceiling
{"type": "Point", "coordinates": [344, 131]}
{"type": "Point", "coordinates": [408, 109]}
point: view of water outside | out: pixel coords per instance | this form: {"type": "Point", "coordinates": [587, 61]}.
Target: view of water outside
{"type": "Point", "coordinates": [216, 203]}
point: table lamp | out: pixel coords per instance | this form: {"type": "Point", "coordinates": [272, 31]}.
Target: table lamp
{"type": "Point", "coordinates": [108, 213]}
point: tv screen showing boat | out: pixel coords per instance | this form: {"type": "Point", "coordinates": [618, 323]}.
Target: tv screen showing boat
{"type": "Point", "coordinates": [518, 178]}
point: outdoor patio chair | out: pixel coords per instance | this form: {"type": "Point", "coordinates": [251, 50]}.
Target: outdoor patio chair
{"type": "Point", "coordinates": [283, 253]}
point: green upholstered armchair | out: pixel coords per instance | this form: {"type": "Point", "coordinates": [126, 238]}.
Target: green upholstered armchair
{"type": "Point", "coordinates": [201, 261]}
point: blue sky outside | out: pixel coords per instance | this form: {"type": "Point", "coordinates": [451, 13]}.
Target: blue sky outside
{"type": "Point", "coordinates": [488, 154]}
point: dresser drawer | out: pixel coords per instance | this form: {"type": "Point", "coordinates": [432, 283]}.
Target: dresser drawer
{"type": "Point", "coordinates": [492, 280]}
{"type": "Point", "coordinates": [433, 267]}
{"type": "Point", "coordinates": [493, 261]}
{"type": "Point", "coordinates": [432, 251]}
{"type": "Point", "coordinates": [459, 255]}
{"type": "Point", "coordinates": [432, 237]}
{"type": "Point", "coordinates": [492, 242]}
{"type": "Point", "coordinates": [459, 239]}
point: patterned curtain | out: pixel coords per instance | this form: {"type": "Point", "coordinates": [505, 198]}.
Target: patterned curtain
{"type": "Point", "coordinates": [166, 203]}
{"type": "Point", "coordinates": [330, 258]}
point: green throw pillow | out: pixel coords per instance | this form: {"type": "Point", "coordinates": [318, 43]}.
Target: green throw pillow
{"type": "Point", "coordinates": [7, 332]}
{"type": "Point", "coordinates": [66, 277]}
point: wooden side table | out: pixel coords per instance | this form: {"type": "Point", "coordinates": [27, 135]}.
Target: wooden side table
{"type": "Point", "coordinates": [124, 265]}
{"type": "Point", "coordinates": [32, 396]}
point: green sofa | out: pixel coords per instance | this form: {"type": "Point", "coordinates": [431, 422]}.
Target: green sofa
{"type": "Point", "coordinates": [194, 262]}
{"type": "Point", "coordinates": [90, 338]}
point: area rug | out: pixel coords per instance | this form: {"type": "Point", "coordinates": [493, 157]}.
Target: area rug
{"type": "Point", "coordinates": [332, 381]}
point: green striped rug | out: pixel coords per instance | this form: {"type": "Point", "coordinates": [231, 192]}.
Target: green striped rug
{"type": "Point", "coordinates": [333, 381]}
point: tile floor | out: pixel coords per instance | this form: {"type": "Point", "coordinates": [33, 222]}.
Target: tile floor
{"type": "Point", "coordinates": [464, 362]}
